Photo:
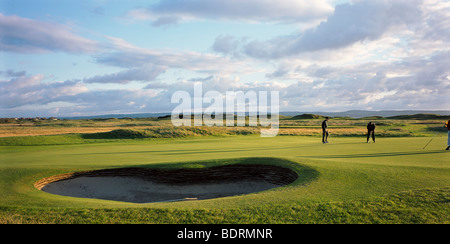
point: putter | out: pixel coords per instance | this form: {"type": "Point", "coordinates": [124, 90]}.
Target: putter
{"type": "Point", "coordinates": [430, 141]}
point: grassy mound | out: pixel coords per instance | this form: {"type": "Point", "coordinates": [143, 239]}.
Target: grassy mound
{"type": "Point", "coordinates": [307, 116]}
{"type": "Point", "coordinates": [118, 134]}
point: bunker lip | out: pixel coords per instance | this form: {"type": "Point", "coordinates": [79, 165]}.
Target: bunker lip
{"type": "Point", "coordinates": [144, 185]}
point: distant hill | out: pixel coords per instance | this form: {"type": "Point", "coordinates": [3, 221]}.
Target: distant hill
{"type": "Point", "coordinates": [373, 117]}
{"type": "Point", "coordinates": [421, 117]}
{"type": "Point", "coordinates": [364, 113]}
{"type": "Point", "coordinates": [351, 114]}
{"type": "Point", "coordinates": [119, 116]}
{"type": "Point", "coordinates": [400, 117]}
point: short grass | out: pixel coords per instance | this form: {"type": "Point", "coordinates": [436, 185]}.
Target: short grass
{"type": "Point", "coordinates": [346, 181]}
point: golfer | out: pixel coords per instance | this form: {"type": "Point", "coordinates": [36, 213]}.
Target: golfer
{"type": "Point", "coordinates": [325, 133]}
{"type": "Point", "coordinates": [371, 131]}
{"type": "Point", "coordinates": [448, 140]}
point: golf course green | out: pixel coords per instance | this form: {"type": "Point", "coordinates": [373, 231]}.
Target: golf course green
{"type": "Point", "coordinates": [348, 180]}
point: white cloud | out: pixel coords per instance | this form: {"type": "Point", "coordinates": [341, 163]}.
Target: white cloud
{"type": "Point", "coordinates": [187, 60]}
{"type": "Point", "coordinates": [26, 90]}
{"type": "Point", "coordinates": [376, 54]}
{"type": "Point", "coordinates": [226, 44]}
{"type": "Point", "coordinates": [144, 73]}
{"type": "Point", "coordinates": [349, 24]}
{"type": "Point", "coordinates": [282, 11]}
{"type": "Point", "coordinates": [25, 35]}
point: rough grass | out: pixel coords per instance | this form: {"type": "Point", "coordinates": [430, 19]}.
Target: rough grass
{"type": "Point", "coordinates": [80, 132]}
{"type": "Point", "coordinates": [154, 128]}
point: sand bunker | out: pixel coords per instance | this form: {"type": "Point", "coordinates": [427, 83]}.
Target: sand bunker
{"type": "Point", "coordinates": [140, 185]}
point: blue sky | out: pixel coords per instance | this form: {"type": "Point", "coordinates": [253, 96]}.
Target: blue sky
{"type": "Point", "coordinates": [80, 57]}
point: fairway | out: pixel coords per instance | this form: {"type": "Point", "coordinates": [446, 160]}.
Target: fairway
{"type": "Point", "coordinates": [346, 181]}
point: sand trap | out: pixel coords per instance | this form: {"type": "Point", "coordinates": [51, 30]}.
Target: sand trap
{"type": "Point", "coordinates": [140, 185]}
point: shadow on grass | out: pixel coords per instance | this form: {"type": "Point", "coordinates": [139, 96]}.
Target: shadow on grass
{"type": "Point", "coordinates": [116, 134]}
{"type": "Point", "coordinates": [306, 174]}
{"type": "Point", "coordinates": [372, 155]}
{"type": "Point", "coordinates": [177, 151]}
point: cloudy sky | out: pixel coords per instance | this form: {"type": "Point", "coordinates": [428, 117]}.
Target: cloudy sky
{"type": "Point", "coordinates": [91, 57]}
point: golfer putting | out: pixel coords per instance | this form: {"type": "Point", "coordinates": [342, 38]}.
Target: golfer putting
{"type": "Point", "coordinates": [371, 131]}
{"type": "Point", "coordinates": [325, 132]}
{"type": "Point", "coordinates": [448, 129]}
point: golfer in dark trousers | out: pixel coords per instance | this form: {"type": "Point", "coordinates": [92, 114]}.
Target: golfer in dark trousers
{"type": "Point", "coordinates": [371, 131]}
{"type": "Point", "coordinates": [448, 140]}
{"type": "Point", "coordinates": [325, 133]}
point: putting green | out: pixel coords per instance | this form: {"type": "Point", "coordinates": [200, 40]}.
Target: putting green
{"type": "Point", "coordinates": [347, 169]}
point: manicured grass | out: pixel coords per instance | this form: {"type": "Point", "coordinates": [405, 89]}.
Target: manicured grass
{"type": "Point", "coordinates": [428, 206]}
{"type": "Point", "coordinates": [346, 181]}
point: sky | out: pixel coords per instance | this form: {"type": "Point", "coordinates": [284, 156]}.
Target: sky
{"type": "Point", "coordinates": [93, 57]}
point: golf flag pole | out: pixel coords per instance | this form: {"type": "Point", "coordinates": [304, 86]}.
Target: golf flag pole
{"type": "Point", "coordinates": [430, 141]}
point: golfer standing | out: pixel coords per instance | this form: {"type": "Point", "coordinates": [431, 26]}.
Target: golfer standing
{"type": "Point", "coordinates": [371, 131]}
{"type": "Point", "coordinates": [325, 133]}
{"type": "Point", "coordinates": [448, 140]}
